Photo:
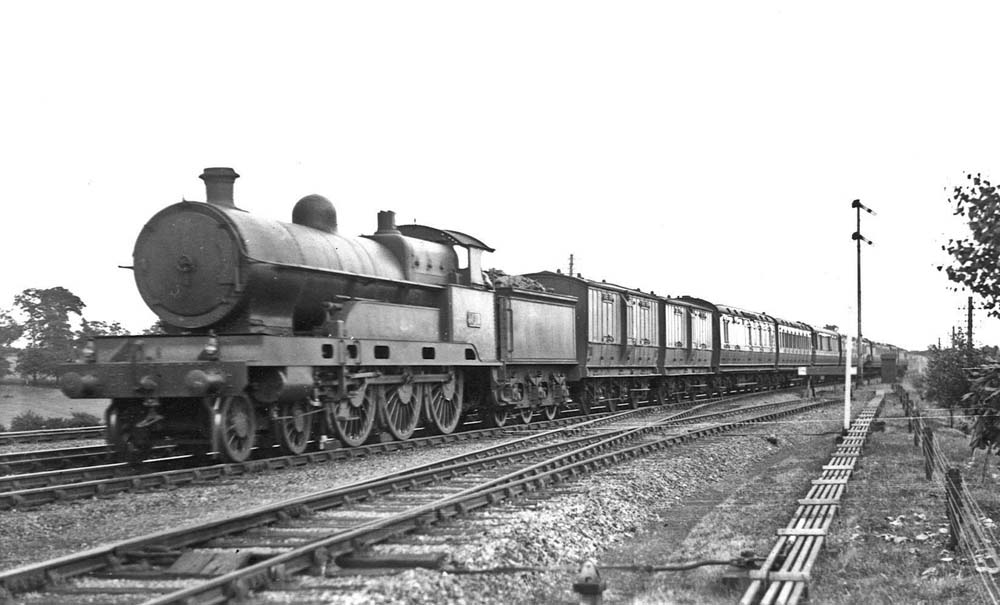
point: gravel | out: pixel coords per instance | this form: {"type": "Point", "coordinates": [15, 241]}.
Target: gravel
{"type": "Point", "coordinates": [53, 530]}
{"type": "Point", "coordinates": [564, 527]}
{"type": "Point", "coordinates": [48, 445]}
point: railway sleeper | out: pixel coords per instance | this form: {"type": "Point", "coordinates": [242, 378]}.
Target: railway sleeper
{"type": "Point", "coordinates": [432, 560]}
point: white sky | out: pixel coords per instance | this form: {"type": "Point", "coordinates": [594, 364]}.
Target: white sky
{"type": "Point", "coordinates": [699, 148]}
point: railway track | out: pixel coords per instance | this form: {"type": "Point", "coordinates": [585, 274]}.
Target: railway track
{"type": "Point", "coordinates": [31, 479]}
{"type": "Point", "coordinates": [85, 432]}
{"type": "Point", "coordinates": [225, 559]}
{"type": "Point", "coordinates": [101, 476]}
{"type": "Point", "coordinates": [35, 461]}
{"type": "Point", "coordinates": [35, 478]}
{"type": "Point", "coordinates": [79, 463]}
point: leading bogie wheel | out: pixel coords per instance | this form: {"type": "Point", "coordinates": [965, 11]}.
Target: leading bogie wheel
{"type": "Point", "coordinates": [444, 405]}
{"type": "Point", "coordinates": [550, 411]}
{"type": "Point", "coordinates": [294, 426]}
{"type": "Point", "coordinates": [130, 443]}
{"type": "Point", "coordinates": [351, 419]}
{"type": "Point", "coordinates": [399, 407]}
{"type": "Point", "coordinates": [526, 414]}
{"type": "Point", "coordinates": [235, 426]}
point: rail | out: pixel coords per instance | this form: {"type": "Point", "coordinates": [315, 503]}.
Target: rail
{"type": "Point", "coordinates": [83, 432]}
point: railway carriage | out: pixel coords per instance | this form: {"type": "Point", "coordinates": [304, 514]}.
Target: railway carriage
{"type": "Point", "coordinates": [689, 353]}
{"type": "Point", "coordinates": [618, 340]}
{"type": "Point", "coordinates": [827, 347]}
{"type": "Point", "coordinates": [794, 344]}
{"type": "Point", "coordinates": [747, 351]}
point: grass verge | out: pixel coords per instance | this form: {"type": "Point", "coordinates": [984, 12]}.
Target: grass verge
{"type": "Point", "coordinates": [48, 402]}
{"type": "Point", "coordinates": [887, 543]}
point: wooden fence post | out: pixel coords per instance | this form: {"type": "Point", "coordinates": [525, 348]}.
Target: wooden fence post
{"type": "Point", "coordinates": [908, 412]}
{"type": "Point", "coordinates": [929, 452]}
{"type": "Point", "coordinates": [915, 414]}
{"type": "Point", "coordinates": [954, 503]}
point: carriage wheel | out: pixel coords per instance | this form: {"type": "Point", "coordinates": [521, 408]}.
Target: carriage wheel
{"type": "Point", "coordinates": [550, 411]}
{"type": "Point", "coordinates": [351, 419]}
{"type": "Point", "coordinates": [587, 399]}
{"type": "Point", "coordinates": [235, 428]}
{"type": "Point", "coordinates": [497, 417]}
{"type": "Point", "coordinates": [444, 406]}
{"type": "Point", "coordinates": [625, 398]}
{"type": "Point", "coordinates": [657, 393]}
{"type": "Point", "coordinates": [526, 414]}
{"type": "Point", "coordinates": [399, 408]}
{"type": "Point", "coordinates": [294, 426]}
{"type": "Point", "coordinates": [605, 394]}
{"type": "Point", "coordinates": [677, 392]}
{"type": "Point", "coordinates": [686, 391]}
{"type": "Point", "coordinates": [713, 389]}
{"type": "Point", "coordinates": [130, 443]}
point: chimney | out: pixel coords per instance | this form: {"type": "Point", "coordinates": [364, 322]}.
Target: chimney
{"type": "Point", "coordinates": [387, 222]}
{"type": "Point", "coordinates": [219, 186]}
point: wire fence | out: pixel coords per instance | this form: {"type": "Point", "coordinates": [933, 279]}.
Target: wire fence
{"type": "Point", "coordinates": [971, 529]}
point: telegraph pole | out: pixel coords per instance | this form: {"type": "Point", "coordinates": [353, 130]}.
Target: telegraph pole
{"type": "Point", "coordinates": [856, 236]}
{"type": "Point", "coordinates": [969, 332]}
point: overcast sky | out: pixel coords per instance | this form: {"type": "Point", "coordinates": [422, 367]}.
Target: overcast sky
{"type": "Point", "coordinates": [710, 149]}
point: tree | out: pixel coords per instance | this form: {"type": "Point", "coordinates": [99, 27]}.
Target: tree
{"type": "Point", "coordinates": [47, 329]}
{"type": "Point", "coordinates": [37, 362]}
{"type": "Point", "coordinates": [946, 379]}
{"type": "Point", "coordinates": [157, 327]}
{"type": "Point", "coordinates": [983, 402]}
{"type": "Point", "coordinates": [90, 329]}
{"type": "Point", "coordinates": [975, 259]}
{"type": "Point", "coordinates": [10, 331]}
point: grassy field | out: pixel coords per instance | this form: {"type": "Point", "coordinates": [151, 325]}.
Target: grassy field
{"type": "Point", "coordinates": [48, 402]}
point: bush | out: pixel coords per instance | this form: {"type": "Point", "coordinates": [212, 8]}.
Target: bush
{"type": "Point", "coordinates": [32, 421]}
{"type": "Point", "coordinates": [27, 421]}
{"type": "Point", "coordinates": [84, 419]}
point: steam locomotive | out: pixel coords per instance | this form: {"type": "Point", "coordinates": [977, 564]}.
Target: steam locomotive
{"type": "Point", "coordinates": [293, 333]}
